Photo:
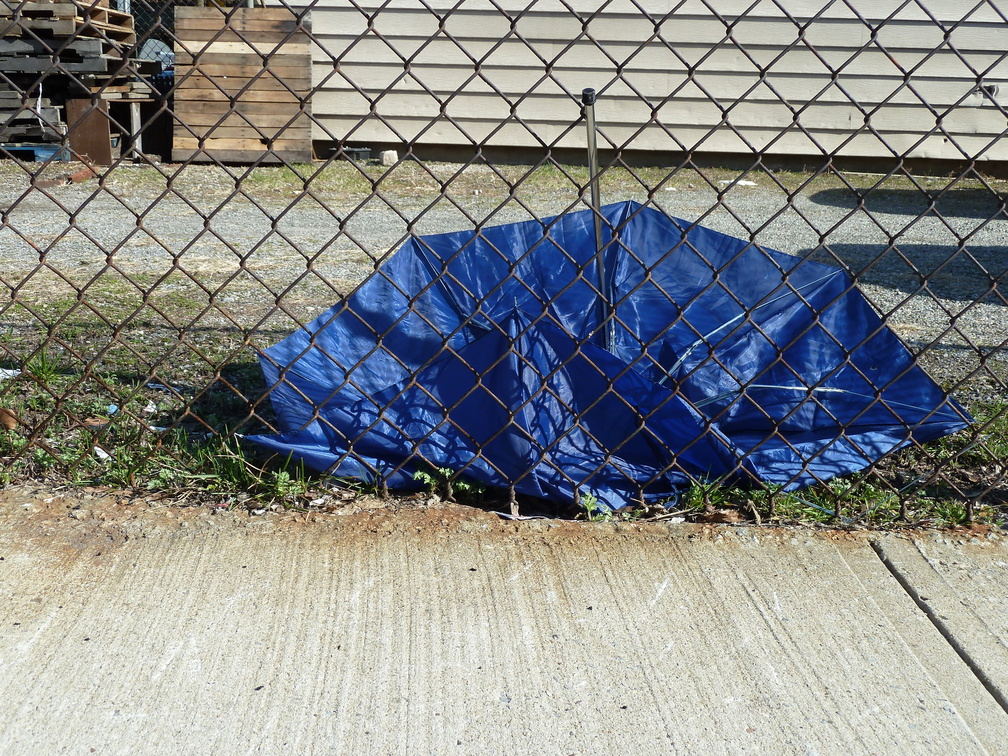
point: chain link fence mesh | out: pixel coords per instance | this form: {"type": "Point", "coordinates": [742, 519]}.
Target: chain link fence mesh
{"type": "Point", "coordinates": [167, 217]}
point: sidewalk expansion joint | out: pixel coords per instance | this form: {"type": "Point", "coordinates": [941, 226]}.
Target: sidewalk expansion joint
{"type": "Point", "coordinates": [942, 628]}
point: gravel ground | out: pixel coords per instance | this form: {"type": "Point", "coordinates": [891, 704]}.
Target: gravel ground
{"type": "Point", "coordinates": [258, 262]}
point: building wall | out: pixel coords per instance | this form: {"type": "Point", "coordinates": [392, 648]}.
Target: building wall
{"type": "Point", "coordinates": [879, 80]}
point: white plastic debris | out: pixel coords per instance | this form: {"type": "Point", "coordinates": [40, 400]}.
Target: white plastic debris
{"type": "Point", "coordinates": [742, 182]}
{"type": "Point", "coordinates": [103, 455]}
{"type": "Point", "coordinates": [6, 374]}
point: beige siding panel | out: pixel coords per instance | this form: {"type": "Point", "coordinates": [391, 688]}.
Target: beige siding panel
{"type": "Point", "coordinates": [793, 141]}
{"type": "Point", "coordinates": [420, 66]}
{"type": "Point", "coordinates": [658, 86]}
{"type": "Point", "coordinates": [478, 31]}
{"type": "Point", "coordinates": [516, 63]}
{"type": "Point", "coordinates": [539, 111]}
{"type": "Point", "coordinates": [557, 29]}
{"type": "Point", "coordinates": [878, 10]}
{"type": "Point", "coordinates": [699, 34]}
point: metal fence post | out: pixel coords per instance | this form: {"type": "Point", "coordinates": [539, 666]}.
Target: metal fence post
{"type": "Point", "coordinates": [588, 97]}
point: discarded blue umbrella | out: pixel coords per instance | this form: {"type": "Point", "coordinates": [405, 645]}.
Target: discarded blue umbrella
{"type": "Point", "coordinates": [485, 352]}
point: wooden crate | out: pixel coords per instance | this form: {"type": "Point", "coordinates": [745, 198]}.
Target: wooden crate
{"type": "Point", "coordinates": [243, 86]}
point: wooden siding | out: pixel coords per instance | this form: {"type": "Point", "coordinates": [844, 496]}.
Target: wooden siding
{"type": "Point", "coordinates": [232, 103]}
{"type": "Point", "coordinates": [885, 78]}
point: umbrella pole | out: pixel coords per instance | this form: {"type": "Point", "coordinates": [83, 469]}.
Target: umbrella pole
{"type": "Point", "coordinates": [605, 307]}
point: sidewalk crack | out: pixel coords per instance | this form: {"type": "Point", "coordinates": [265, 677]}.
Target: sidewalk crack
{"type": "Point", "coordinates": [942, 628]}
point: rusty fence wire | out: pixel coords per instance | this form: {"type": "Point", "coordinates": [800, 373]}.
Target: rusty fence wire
{"type": "Point", "coordinates": [184, 186]}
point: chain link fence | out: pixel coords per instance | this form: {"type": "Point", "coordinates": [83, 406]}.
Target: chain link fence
{"type": "Point", "coordinates": [184, 187]}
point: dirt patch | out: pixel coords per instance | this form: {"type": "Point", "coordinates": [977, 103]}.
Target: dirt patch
{"type": "Point", "coordinates": [97, 520]}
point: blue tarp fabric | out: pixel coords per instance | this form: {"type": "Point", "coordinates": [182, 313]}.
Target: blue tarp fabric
{"type": "Point", "coordinates": [486, 352]}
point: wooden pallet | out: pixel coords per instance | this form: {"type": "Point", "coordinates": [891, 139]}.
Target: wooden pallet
{"type": "Point", "coordinates": [23, 116]}
{"type": "Point", "coordinates": [31, 114]}
{"type": "Point", "coordinates": [232, 106]}
{"type": "Point", "coordinates": [82, 49]}
{"type": "Point", "coordinates": [70, 49]}
{"type": "Point", "coordinates": [55, 20]}
{"type": "Point", "coordinates": [98, 65]}
{"type": "Point", "coordinates": [32, 131]}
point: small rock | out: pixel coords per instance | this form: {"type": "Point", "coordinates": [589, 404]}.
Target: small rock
{"type": "Point", "coordinates": [389, 157]}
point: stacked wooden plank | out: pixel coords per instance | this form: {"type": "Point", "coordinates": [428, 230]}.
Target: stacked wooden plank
{"type": "Point", "coordinates": [67, 19]}
{"type": "Point", "coordinates": [243, 85]}
{"type": "Point", "coordinates": [54, 51]}
{"type": "Point", "coordinates": [27, 119]}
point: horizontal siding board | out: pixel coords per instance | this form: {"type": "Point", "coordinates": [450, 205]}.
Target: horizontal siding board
{"type": "Point", "coordinates": [512, 58]}
{"type": "Point", "coordinates": [417, 66]}
{"type": "Point", "coordinates": [656, 86]}
{"type": "Point", "coordinates": [553, 32]}
{"type": "Point", "coordinates": [630, 56]}
{"type": "Point", "coordinates": [878, 10]}
{"type": "Point", "coordinates": [540, 111]}
{"type": "Point", "coordinates": [794, 142]}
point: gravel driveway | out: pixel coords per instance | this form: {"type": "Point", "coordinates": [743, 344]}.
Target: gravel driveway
{"type": "Point", "coordinates": [256, 261]}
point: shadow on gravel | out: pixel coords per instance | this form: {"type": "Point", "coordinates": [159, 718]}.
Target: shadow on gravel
{"type": "Point", "coordinates": [954, 203]}
{"type": "Point", "coordinates": [969, 274]}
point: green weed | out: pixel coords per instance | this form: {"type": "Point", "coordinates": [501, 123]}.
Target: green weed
{"type": "Point", "coordinates": [703, 494]}
{"type": "Point", "coordinates": [443, 482]}
{"type": "Point", "coordinates": [951, 513]}
{"type": "Point", "coordinates": [44, 366]}
{"type": "Point", "coordinates": [593, 510]}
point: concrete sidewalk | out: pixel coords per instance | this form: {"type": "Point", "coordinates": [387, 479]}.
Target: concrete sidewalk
{"type": "Point", "coordinates": [445, 631]}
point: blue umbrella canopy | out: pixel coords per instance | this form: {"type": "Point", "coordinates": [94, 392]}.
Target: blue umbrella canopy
{"type": "Point", "coordinates": [706, 357]}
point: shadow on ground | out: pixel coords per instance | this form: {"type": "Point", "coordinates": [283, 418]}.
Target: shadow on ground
{"type": "Point", "coordinates": [971, 274]}
{"type": "Point", "coordinates": [952, 203]}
